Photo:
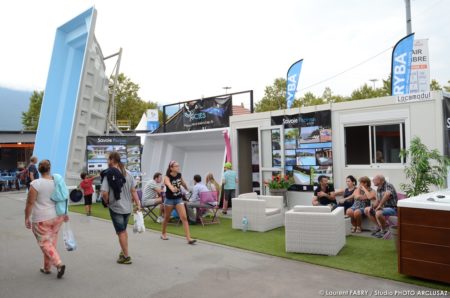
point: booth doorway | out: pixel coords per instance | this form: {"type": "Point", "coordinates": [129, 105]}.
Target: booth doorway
{"type": "Point", "coordinates": [248, 160]}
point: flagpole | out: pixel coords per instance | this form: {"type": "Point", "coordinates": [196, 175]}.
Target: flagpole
{"type": "Point", "coordinates": [408, 17]}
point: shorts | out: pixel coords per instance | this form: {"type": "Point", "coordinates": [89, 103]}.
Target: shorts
{"type": "Point", "coordinates": [229, 194]}
{"type": "Point", "coordinates": [120, 221]}
{"type": "Point", "coordinates": [88, 200]}
{"type": "Point", "coordinates": [389, 211]}
{"type": "Point", "coordinates": [173, 201]}
{"type": "Point", "coordinates": [360, 209]}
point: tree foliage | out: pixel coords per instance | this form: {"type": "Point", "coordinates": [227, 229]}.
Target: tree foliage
{"type": "Point", "coordinates": [275, 95]}
{"type": "Point", "coordinates": [30, 118]}
{"type": "Point", "coordinates": [426, 168]}
{"type": "Point", "coordinates": [129, 105]}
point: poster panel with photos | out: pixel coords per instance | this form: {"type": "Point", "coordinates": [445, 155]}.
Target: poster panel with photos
{"type": "Point", "coordinates": [307, 148]}
{"type": "Point", "coordinates": [99, 147]}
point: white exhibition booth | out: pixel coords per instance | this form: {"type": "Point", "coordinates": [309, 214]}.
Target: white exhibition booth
{"type": "Point", "coordinates": [356, 133]}
{"type": "Point", "coordinates": [359, 130]}
{"type": "Point", "coordinates": [197, 152]}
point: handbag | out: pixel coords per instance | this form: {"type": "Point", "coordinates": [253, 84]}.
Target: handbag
{"type": "Point", "coordinates": [69, 239]}
{"type": "Point", "coordinates": [138, 226]}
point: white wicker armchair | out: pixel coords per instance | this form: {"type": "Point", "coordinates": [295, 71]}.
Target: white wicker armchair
{"type": "Point", "coordinates": [263, 213]}
{"type": "Point", "coordinates": [315, 230]}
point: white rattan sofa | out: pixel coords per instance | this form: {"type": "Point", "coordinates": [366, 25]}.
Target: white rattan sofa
{"type": "Point", "coordinates": [263, 213]}
{"type": "Point", "coordinates": [315, 230]}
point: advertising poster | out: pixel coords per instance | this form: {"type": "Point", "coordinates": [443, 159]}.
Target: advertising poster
{"type": "Point", "coordinates": [308, 148]}
{"type": "Point", "coordinates": [98, 148]}
{"type": "Point", "coordinates": [420, 67]}
{"type": "Point", "coordinates": [152, 119]}
{"type": "Point", "coordinates": [202, 114]}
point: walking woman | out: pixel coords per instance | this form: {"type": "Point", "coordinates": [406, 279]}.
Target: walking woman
{"type": "Point", "coordinates": [118, 193]}
{"type": "Point", "coordinates": [45, 223]}
{"type": "Point", "coordinates": [173, 182]}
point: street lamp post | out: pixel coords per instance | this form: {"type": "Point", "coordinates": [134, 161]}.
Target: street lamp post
{"type": "Point", "coordinates": [226, 89]}
{"type": "Point", "coordinates": [373, 82]}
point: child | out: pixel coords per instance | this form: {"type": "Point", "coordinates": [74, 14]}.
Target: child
{"type": "Point", "coordinates": [88, 190]}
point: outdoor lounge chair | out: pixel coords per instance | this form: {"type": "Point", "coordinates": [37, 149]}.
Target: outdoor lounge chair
{"type": "Point", "coordinates": [263, 213]}
{"type": "Point", "coordinates": [315, 230]}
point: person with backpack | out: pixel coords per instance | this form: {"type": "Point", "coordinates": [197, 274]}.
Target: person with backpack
{"type": "Point", "coordinates": [44, 215]}
{"type": "Point", "coordinates": [118, 193]}
{"type": "Point", "coordinates": [32, 172]}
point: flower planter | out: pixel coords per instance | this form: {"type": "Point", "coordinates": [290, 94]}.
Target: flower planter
{"type": "Point", "coordinates": [280, 192]}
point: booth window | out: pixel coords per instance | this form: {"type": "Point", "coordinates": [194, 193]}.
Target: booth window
{"type": "Point", "coordinates": [374, 144]}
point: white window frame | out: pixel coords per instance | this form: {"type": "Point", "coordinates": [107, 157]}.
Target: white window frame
{"type": "Point", "coordinates": [374, 118]}
{"type": "Point", "coordinates": [262, 169]}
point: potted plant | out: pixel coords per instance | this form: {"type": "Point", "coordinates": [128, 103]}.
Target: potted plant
{"type": "Point", "coordinates": [426, 168]}
{"type": "Point", "coordinates": [278, 186]}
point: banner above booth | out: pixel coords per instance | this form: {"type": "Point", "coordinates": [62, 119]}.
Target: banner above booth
{"type": "Point", "coordinates": [201, 114]}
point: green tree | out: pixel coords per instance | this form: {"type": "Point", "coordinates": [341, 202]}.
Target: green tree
{"type": "Point", "coordinates": [435, 86]}
{"type": "Point", "coordinates": [447, 87]}
{"type": "Point", "coordinates": [274, 97]}
{"type": "Point", "coordinates": [30, 118]}
{"type": "Point", "coordinates": [365, 91]}
{"type": "Point", "coordinates": [329, 97]}
{"type": "Point", "coordinates": [129, 105]}
{"type": "Point", "coordinates": [309, 99]}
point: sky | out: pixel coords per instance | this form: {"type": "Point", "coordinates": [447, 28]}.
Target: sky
{"type": "Point", "coordinates": [183, 50]}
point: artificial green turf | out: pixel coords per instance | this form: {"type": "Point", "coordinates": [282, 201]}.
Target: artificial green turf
{"type": "Point", "coordinates": [370, 256]}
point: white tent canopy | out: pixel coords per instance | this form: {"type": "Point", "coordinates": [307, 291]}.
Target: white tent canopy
{"type": "Point", "coordinates": [197, 152]}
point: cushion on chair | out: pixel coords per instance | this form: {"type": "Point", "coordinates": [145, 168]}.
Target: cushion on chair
{"type": "Point", "coordinates": [272, 211]}
{"type": "Point", "coordinates": [318, 209]}
{"type": "Point", "coordinates": [250, 195]}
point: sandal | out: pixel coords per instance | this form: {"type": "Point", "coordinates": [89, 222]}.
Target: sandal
{"type": "Point", "coordinates": [353, 229]}
{"type": "Point", "coordinates": [192, 241]}
{"type": "Point", "coordinates": [358, 230]}
{"type": "Point", "coordinates": [164, 238]}
{"type": "Point", "coordinates": [61, 270]}
{"type": "Point", "coordinates": [45, 271]}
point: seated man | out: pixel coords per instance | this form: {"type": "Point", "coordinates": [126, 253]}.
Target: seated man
{"type": "Point", "coordinates": [152, 194]}
{"type": "Point", "coordinates": [324, 194]}
{"type": "Point", "coordinates": [194, 200]}
{"type": "Point", "coordinates": [386, 205]}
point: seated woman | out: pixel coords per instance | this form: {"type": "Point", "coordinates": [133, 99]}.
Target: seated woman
{"type": "Point", "coordinates": [362, 196]}
{"type": "Point", "coordinates": [348, 193]}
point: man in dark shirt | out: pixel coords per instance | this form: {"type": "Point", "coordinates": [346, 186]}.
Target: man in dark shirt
{"type": "Point", "coordinates": [324, 194]}
{"type": "Point", "coordinates": [33, 173]}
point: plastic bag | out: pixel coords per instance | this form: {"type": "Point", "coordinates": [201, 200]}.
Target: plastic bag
{"type": "Point", "coordinates": [139, 226]}
{"type": "Point", "coordinates": [68, 237]}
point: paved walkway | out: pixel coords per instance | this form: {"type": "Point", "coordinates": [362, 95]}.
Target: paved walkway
{"type": "Point", "coordinates": [160, 269]}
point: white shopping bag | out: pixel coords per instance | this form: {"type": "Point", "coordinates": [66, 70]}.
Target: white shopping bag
{"type": "Point", "coordinates": [68, 237]}
{"type": "Point", "coordinates": [139, 226]}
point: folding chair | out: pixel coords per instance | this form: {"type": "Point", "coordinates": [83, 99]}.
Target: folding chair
{"type": "Point", "coordinates": [148, 210]}
{"type": "Point", "coordinates": [209, 201]}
